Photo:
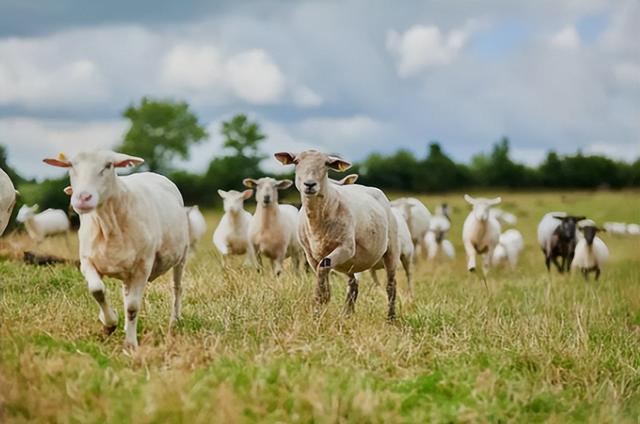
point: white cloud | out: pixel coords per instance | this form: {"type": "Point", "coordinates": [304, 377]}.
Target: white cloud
{"type": "Point", "coordinates": [255, 78]}
{"type": "Point", "coordinates": [31, 74]}
{"type": "Point", "coordinates": [422, 47]}
{"type": "Point", "coordinates": [192, 68]}
{"type": "Point", "coordinates": [29, 140]}
{"type": "Point", "coordinates": [627, 73]}
{"type": "Point", "coordinates": [567, 38]}
{"type": "Point", "coordinates": [306, 97]}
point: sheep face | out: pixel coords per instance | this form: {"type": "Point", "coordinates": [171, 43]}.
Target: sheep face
{"type": "Point", "coordinates": [481, 206]}
{"type": "Point", "coordinates": [589, 233]}
{"type": "Point", "coordinates": [93, 176]}
{"type": "Point", "coordinates": [26, 212]}
{"type": "Point", "coordinates": [567, 228]}
{"type": "Point", "coordinates": [267, 189]}
{"type": "Point", "coordinates": [234, 200]}
{"type": "Point", "coordinates": [312, 169]}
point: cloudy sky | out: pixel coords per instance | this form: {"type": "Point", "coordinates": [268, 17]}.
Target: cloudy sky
{"type": "Point", "coordinates": [349, 77]}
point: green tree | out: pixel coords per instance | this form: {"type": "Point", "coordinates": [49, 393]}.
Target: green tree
{"type": "Point", "coordinates": [242, 136]}
{"type": "Point", "coordinates": [161, 131]}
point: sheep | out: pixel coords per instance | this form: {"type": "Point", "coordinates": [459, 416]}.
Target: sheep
{"type": "Point", "coordinates": [435, 239]}
{"type": "Point", "coordinates": [272, 229]}
{"type": "Point", "coordinates": [348, 228]}
{"type": "Point", "coordinates": [231, 236]}
{"type": "Point", "coordinates": [591, 252]}
{"type": "Point", "coordinates": [417, 217]}
{"type": "Point", "coordinates": [133, 228]}
{"type": "Point", "coordinates": [616, 228]}
{"type": "Point", "coordinates": [197, 225]}
{"type": "Point", "coordinates": [632, 229]}
{"type": "Point", "coordinates": [501, 215]}
{"type": "Point", "coordinates": [509, 246]}
{"type": "Point", "coordinates": [557, 238]}
{"type": "Point", "coordinates": [480, 232]}
{"type": "Point", "coordinates": [43, 224]}
{"type": "Point", "coordinates": [7, 200]}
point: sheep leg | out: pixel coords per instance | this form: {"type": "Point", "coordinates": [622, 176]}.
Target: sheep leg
{"type": "Point", "coordinates": [390, 266]}
{"type": "Point", "coordinates": [276, 265]}
{"type": "Point", "coordinates": [374, 277]}
{"type": "Point", "coordinates": [423, 247]}
{"type": "Point", "coordinates": [108, 316]}
{"type": "Point", "coordinates": [251, 256]}
{"type": "Point", "coordinates": [486, 260]}
{"type": "Point", "coordinates": [559, 266]}
{"type": "Point", "coordinates": [585, 274]}
{"type": "Point", "coordinates": [323, 291]}
{"type": "Point", "coordinates": [471, 256]}
{"type": "Point", "coordinates": [597, 273]}
{"type": "Point", "coordinates": [132, 292]}
{"type": "Point", "coordinates": [406, 264]}
{"type": "Point", "coordinates": [178, 271]}
{"type": "Point", "coordinates": [352, 294]}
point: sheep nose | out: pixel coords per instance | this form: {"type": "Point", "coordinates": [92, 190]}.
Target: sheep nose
{"type": "Point", "coordinates": [84, 196]}
{"type": "Point", "coordinates": [310, 184]}
{"type": "Point", "coordinates": [267, 199]}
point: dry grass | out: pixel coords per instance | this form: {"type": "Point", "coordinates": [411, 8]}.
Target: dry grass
{"type": "Point", "coordinates": [249, 348]}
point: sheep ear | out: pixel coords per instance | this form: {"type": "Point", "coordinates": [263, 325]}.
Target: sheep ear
{"type": "Point", "coordinates": [575, 218]}
{"type": "Point", "coordinates": [557, 216]}
{"type": "Point", "coordinates": [61, 161]}
{"type": "Point", "coordinates": [249, 182]}
{"type": "Point", "coordinates": [350, 179]}
{"type": "Point", "coordinates": [247, 194]}
{"type": "Point", "coordinates": [68, 190]}
{"type": "Point", "coordinates": [283, 184]}
{"type": "Point", "coordinates": [286, 158]}
{"type": "Point", "coordinates": [495, 201]}
{"type": "Point", "coordinates": [470, 200]}
{"type": "Point", "coordinates": [120, 160]}
{"type": "Point", "coordinates": [222, 193]}
{"type": "Point", "coordinates": [338, 164]}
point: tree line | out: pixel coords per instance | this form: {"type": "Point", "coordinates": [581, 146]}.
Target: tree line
{"type": "Point", "coordinates": [163, 131]}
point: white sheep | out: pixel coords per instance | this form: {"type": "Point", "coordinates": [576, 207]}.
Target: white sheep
{"type": "Point", "coordinates": [435, 239]}
{"type": "Point", "coordinates": [510, 244]}
{"type": "Point", "coordinates": [632, 229]}
{"type": "Point", "coordinates": [591, 252]}
{"type": "Point", "coordinates": [41, 225]}
{"type": "Point", "coordinates": [133, 228]}
{"type": "Point", "coordinates": [480, 233]}
{"type": "Point", "coordinates": [197, 225]}
{"type": "Point", "coordinates": [348, 228]}
{"type": "Point", "coordinates": [273, 227]}
{"type": "Point", "coordinates": [7, 200]}
{"type": "Point", "coordinates": [231, 236]}
{"type": "Point", "coordinates": [501, 215]}
{"type": "Point", "coordinates": [417, 217]}
{"type": "Point", "coordinates": [617, 228]}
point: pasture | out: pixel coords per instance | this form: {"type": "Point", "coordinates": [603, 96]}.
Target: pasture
{"type": "Point", "coordinates": [525, 347]}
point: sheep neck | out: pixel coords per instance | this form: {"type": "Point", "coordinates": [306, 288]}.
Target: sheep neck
{"type": "Point", "coordinates": [267, 214]}
{"type": "Point", "coordinates": [320, 206]}
{"type": "Point", "coordinates": [109, 214]}
{"type": "Point", "coordinates": [480, 229]}
{"type": "Point", "coordinates": [235, 220]}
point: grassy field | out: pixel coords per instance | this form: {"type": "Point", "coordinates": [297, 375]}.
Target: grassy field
{"type": "Point", "coordinates": [527, 347]}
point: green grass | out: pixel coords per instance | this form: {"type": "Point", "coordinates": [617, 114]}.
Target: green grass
{"type": "Point", "coordinates": [527, 347]}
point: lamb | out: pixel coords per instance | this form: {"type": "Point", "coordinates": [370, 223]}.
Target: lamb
{"type": "Point", "coordinates": [591, 252]}
{"type": "Point", "coordinates": [7, 200]}
{"type": "Point", "coordinates": [501, 215]}
{"type": "Point", "coordinates": [41, 225]}
{"type": "Point", "coordinates": [417, 217]}
{"type": "Point", "coordinates": [231, 237]}
{"type": "Point", "coordinates": [480, 232]}
{"type": "Point", "coordinates": [557, 238]}
{"type": "Point", "coordinates": [197, 225]}
{"type": "Point", "coordinates": [435, 239]}
{"type": "Point", "coordinates": [272, 229]}
{"type": "Point", "coordinates": [509, 246]}
{"type": "Point", "coordinates": [348, 228]}
{"type": "Point", "coordinates": [133, 228]}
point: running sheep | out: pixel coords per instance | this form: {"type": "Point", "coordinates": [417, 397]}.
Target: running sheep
{"type": "Point", "coordinates": [480, 232]}
{"type": "Point", "coordinates": [44, 224]}
{"type": "Point", "coordinates": [231, 236]}
{"type": "Point", "coordinates": [133, 228]}
{"type": "Point", "coordinates": [591, 252]}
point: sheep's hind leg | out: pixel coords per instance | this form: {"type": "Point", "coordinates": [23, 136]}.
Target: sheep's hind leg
{"type": "Point", "coordinates": [390, 267]}
{"type": "Point", "coordinates": [352, 294]}
{"type": "Point", "coordinates": [406, 264]}
{"type": "Point", "coordinates": [597, 273]}
{"type": "Point", "coordinates": [178, 272]}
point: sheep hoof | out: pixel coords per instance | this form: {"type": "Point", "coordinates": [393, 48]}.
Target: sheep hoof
{"type": "Point", "coordinates": [108, 330]}
{"type": "Point", "coordinates": [472, 269]}
{"type": "Point", "coordinates": [325, 263]}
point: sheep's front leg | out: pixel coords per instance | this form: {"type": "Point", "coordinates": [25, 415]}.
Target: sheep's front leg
{"type": "Point", "coordinates": [108, 316]}
{"type": "Point", "coordinates": [597, 273]}
{"type": "Point", "coordinates": [251, 256]}
{"type": "Point", "coordinates": [486, 260]}
{"type": "Point", "coordinates": [471, 255]}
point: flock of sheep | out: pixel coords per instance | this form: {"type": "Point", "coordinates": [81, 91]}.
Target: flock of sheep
{"type": "Point", "coordinates": [136, 228]}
